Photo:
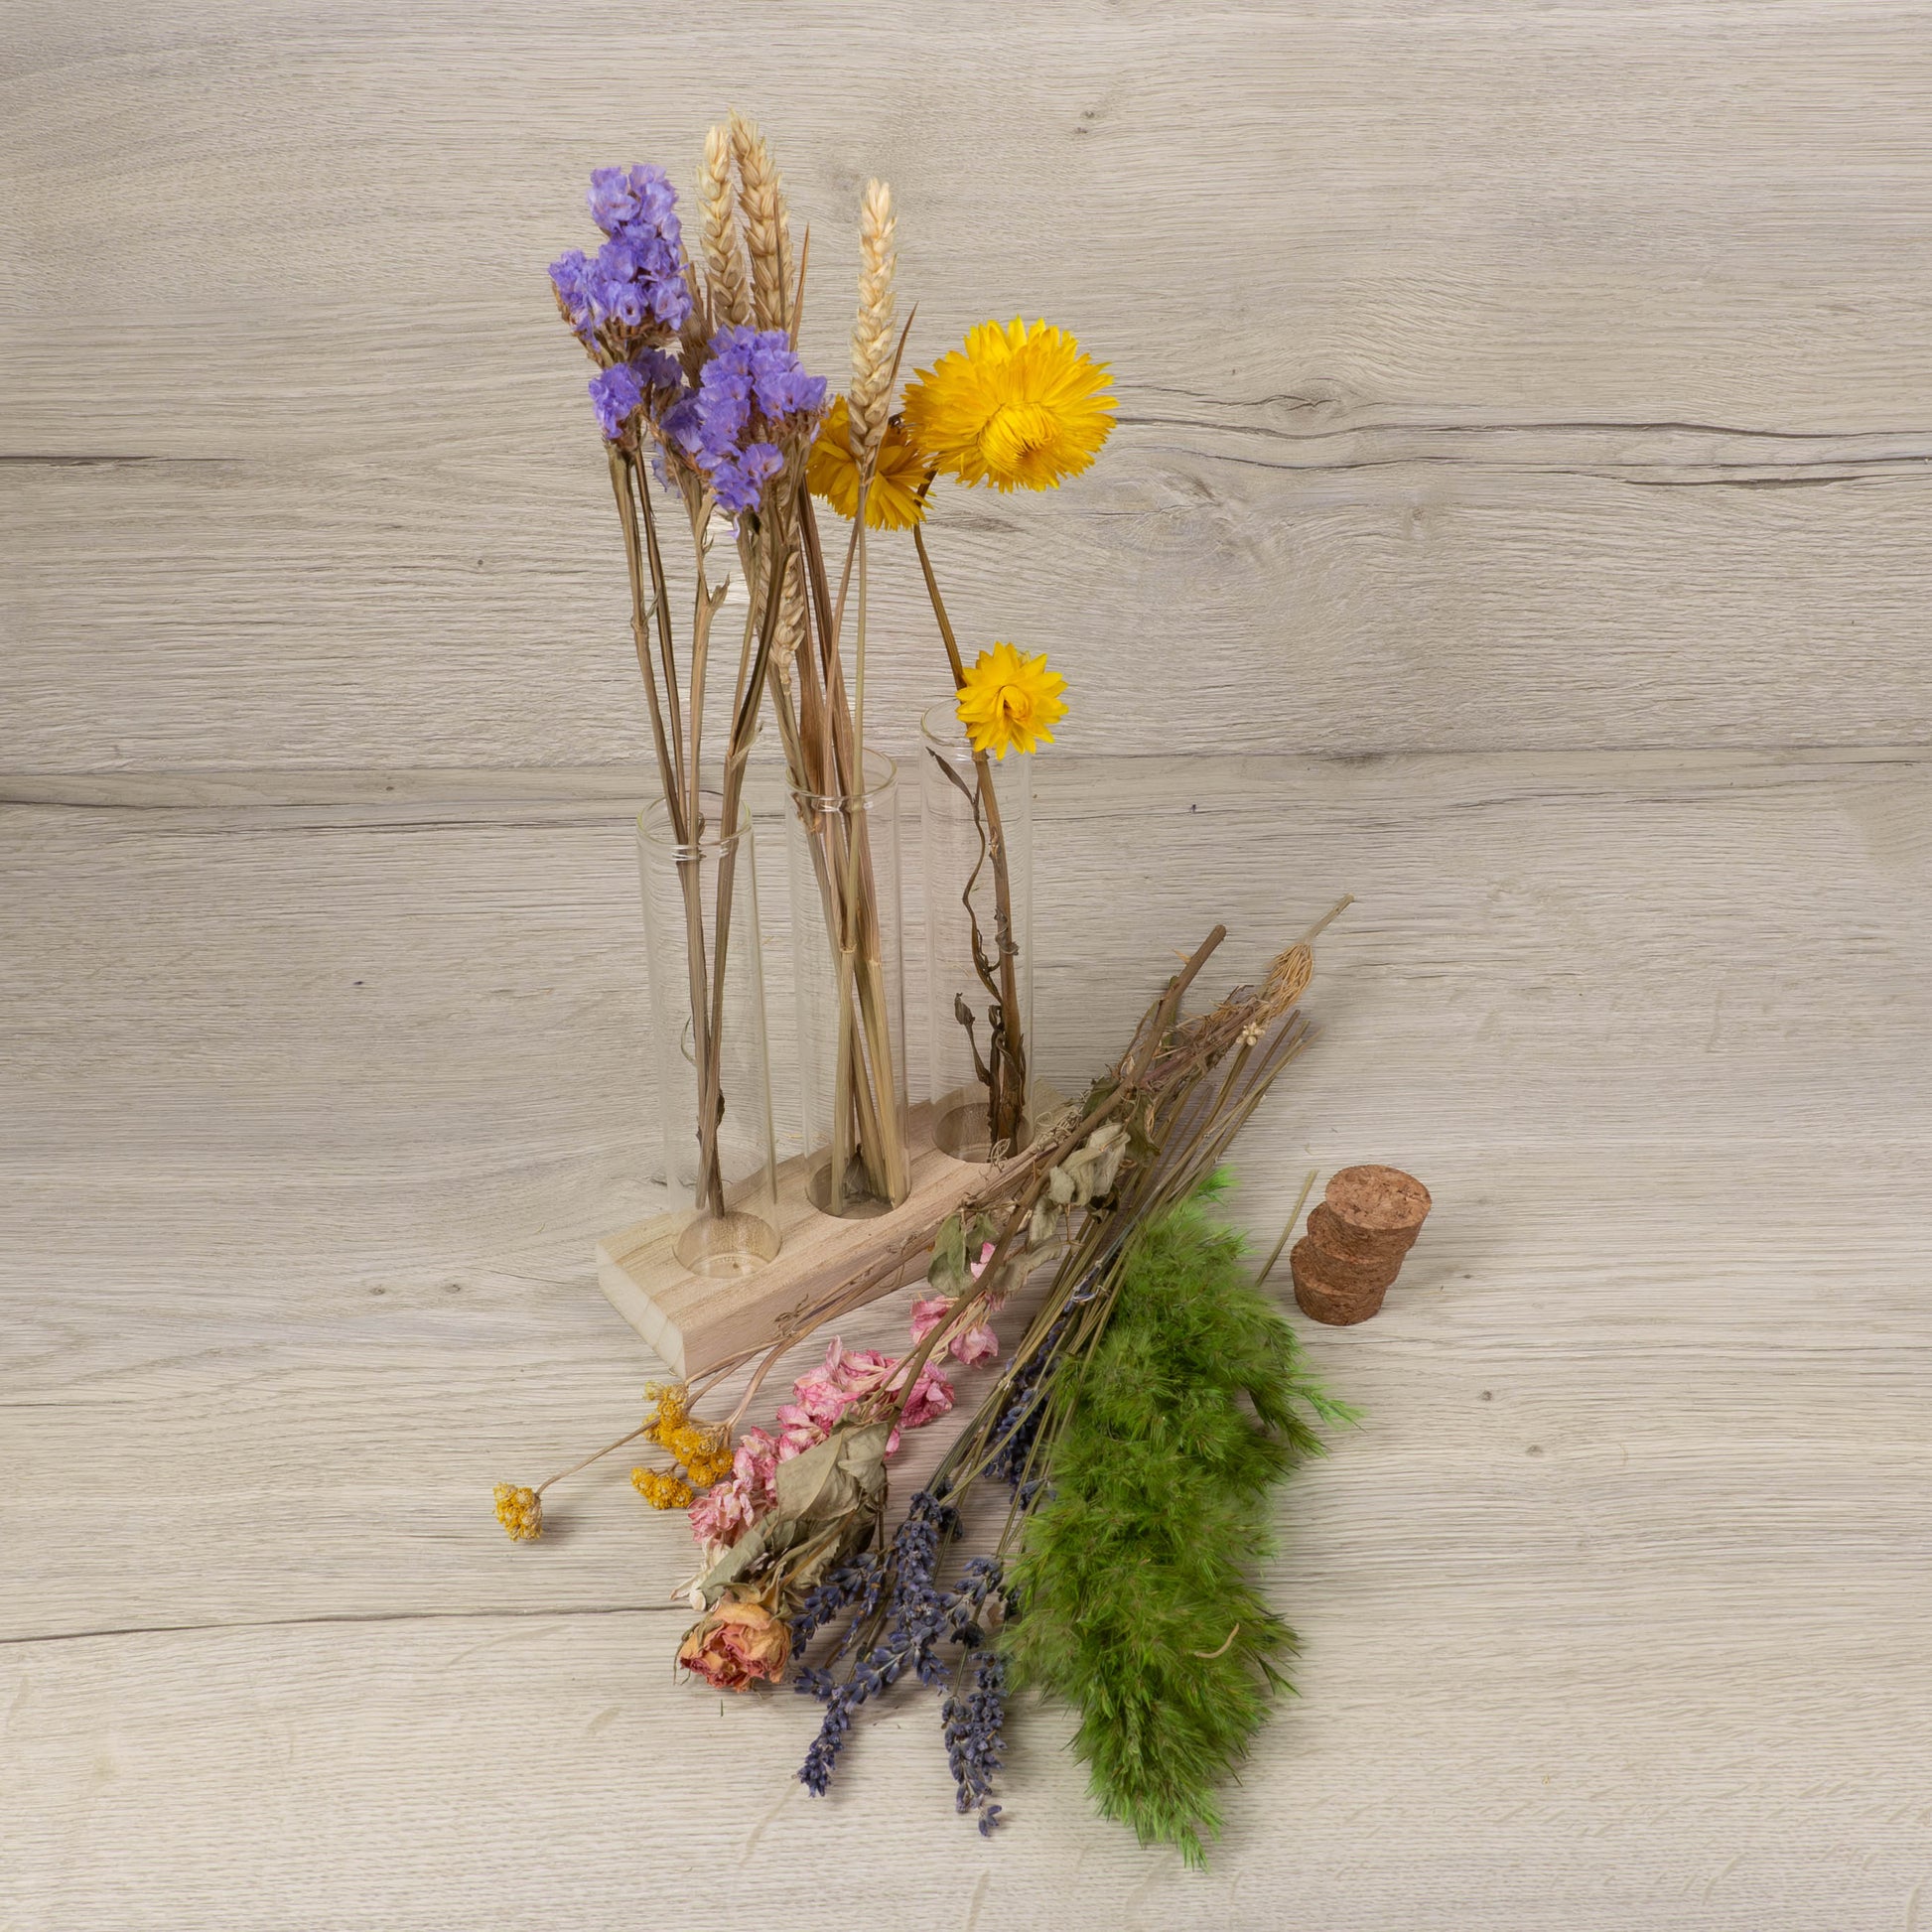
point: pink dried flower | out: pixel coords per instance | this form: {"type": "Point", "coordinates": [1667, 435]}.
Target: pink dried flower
{"type": "Point", "coordinates": [927, 1314]}
{"type": "Point", "coordinates": [931, 1397]}
{"type": "Point", "coordinates": [724, 1513]}
{"type": "Point", "coordinates": [976, 1346]}
{"type": "Point", "coordinates": [736, 1645]}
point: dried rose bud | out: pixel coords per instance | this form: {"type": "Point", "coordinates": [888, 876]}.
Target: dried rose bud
{"type": "Point", "coordinates": [734, 1645]}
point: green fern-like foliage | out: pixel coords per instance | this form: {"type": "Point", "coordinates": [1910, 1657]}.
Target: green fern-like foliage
{"type": "Point", "coordinates": [1134, 1591]}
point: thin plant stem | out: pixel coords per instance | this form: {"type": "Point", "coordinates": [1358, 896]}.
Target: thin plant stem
{"type": "Point", "coordinates": [640, 481]}
{"type": "Point", "coordinates": [1003, 1121]}
{"type": "Point", "coordinates": [640, 616]}
{"type": "Point", "coordinates": [1294, 1214]}
{"type": "Point", "coordinates": [610, 1449]}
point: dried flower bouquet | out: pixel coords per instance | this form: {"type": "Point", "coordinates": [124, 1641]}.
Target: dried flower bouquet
{"type": "Point", "coordinates": [1152, 1398]}
{"type": "Point", "coordinates": [1147, 1408]}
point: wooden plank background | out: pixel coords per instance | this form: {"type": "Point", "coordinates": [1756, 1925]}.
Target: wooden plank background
{"type": "Point", "coordinates": [1521, 516]}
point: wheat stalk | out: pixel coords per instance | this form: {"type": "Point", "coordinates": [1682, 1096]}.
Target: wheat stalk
{"type": "Point", "coordinates": [730, 297]}
{"type": "Point", "coordinates": [768, 232]}
{"type": "Point", "coordinates": [791, 625]}
{"type": "Point", "coordinates": [871, 399]}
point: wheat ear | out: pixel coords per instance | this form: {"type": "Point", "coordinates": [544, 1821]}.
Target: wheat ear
{"type": "Point", "coordinates": [791, 622]}
{"type": "Point", "coordinates": [871, 400]}
{"type": "Point", "coordinates": [768, 239]}
{"type": "Point", "coordinates": [730, 297]}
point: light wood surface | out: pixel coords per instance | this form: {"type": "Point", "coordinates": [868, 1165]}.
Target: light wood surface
{"type": "Point", "coordinates": [1521, 518]}
{"type": "Point", "coordinates": [695, 1323]}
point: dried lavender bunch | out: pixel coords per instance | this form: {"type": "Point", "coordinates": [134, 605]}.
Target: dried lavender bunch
{"type": "Point", "coordinates": [904, 1633]}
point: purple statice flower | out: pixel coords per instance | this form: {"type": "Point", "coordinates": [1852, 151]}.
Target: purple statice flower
{"type": "Point", "coordinates": [740, 485]}
{"type": "Point", "coordinates": [657, 369]}
{"type": "Point", "coordinates": [570, 276]}
{"type": "Point", "coordinates": [634, 288]}
{"type": "Point", "coordinates": [753, 393]}
{"type": "Point", "coordinates": [616, 395]}
{"type": "Point", "coordinates": [621, 197]}
{"type": "Point", "coordinates": [618, 392]}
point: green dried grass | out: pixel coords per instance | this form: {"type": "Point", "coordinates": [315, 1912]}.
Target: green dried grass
{"type": "Point", "coordinates": [1135, 1599]}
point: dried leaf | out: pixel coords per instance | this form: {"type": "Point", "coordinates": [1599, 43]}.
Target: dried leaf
{"type": "Point", "coordinates": [947, 1268]}
{"type": "Point", "coordinates": [840, 1480]}
{"type": "Point", "coordinates": [835, 1477]}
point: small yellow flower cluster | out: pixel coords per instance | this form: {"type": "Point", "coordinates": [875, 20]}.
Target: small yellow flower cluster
{"type": "Point", "coordinates": [702, 1451]}
{"type": "Point", "coordinates": [520, 1512]}
{"type": "Point", "coordinates": [673, 1402]}
{"type": "Point", "coordinates": [700, 1448]}
{"type": "Point", "coordinates": [661, 1489]}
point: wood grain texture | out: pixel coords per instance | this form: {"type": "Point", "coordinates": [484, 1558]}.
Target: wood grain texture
{"type": "Point", "coordinates": [1523, 417]}
{"type": "Point", "coordinates": [1607, 1610]}
{"type": "Point", "coordinates": [695, 1322]}
{"type": "Point", "coordinates": [1489, 377]}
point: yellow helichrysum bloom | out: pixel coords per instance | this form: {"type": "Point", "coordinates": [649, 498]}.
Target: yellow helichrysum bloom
{"type": "Point", "coordinates": [1019, 408]}
{"type": "Point", "coordinates": [892, 497]}
{"type": "Point", "coordinates": [673, 1400]}
{"type": "Point", "coordinates": [520, 1511]}
{"type": "Point", "coordinates": [661, 1489]}
{"type": "Point", "coordinates": [1011, 700]}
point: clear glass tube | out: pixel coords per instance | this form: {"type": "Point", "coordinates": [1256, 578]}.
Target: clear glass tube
{"type": "Point", "coordinates": [974, 814]}
{"type": "Point", "coordinates": [843, 859]}
{"type": "Point", "coordinates": [707, 999]}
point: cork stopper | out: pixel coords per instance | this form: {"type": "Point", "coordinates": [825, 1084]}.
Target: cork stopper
{"type": "Point", "coordinates": [1355, 1244]}
{"type": "Point", "coordinates": [1334, 1236]}
{"type": "Point", "coordinates": [1378, 1200]}
{"type": "Point", "coordinates": [1322, 1299]}
{"type": "Point", "coordinates": [1339, 1271]}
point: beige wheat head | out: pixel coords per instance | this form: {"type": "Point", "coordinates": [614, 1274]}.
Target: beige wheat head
{"type": "Point", "coordinates": [724, 263]}
{"type": "Point", "coordinates": [871, 399]}
{"type": "Point", "coordinates": [768, 236]}
{"type": "Point", "coordinates": [790, 635]}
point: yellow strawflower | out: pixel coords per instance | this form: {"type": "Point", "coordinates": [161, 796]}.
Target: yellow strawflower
{"type": "Point", "coordinates": [1019, 408]}
{"type": "Point", "coordinates": [893, 499]}
{"type": "Point", "coordinates": [661, 1489]}
{"type": "Point", "coordinates": [520, 1512]}
{"type": "Point", "coordinates": [1010, 701]}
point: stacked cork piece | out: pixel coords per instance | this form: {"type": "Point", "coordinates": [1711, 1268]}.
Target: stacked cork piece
{"type": "Point", "coordinates": [1367, 1222]}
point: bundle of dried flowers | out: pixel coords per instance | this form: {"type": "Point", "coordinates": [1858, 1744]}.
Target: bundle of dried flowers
{"type": "Point", "coordinates": [1018, 407]}
{"type": "Point", "coordinates": [725, 415]}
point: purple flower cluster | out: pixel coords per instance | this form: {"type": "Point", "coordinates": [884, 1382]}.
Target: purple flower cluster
{"type": "Point", "coordinates": [975, 1722]}
{"type": "Point", "coordinates": [919, 1617]}
{"type": "Point", "coordinates": [618, 392]}
{"type": "Point", "coordinates": [632, 291]}
{"type": "Point", "coordinates": [754, 390]}
{"type": "Point", "coordinates": [853, 1587]}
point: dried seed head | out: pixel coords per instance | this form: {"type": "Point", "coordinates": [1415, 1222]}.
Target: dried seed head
{"type": "Point", "coordinates": [1287, 979]}
{"type": "Point", "coordinates": [767, 228]}
{"type": "Point", "coordinates": [791, 637]}
{"type": "Point", "coordinates": [871, 398]}
{"type": "Point", "coordinates": [731, 295]}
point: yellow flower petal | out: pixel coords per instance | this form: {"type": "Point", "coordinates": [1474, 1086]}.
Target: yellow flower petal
{"type": "Point", "coordinates": [893, 499]}
{"type": "Point", "coordinates": [1009, 701]}
{"type": "Point", "coordinates": [1019, 407]}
